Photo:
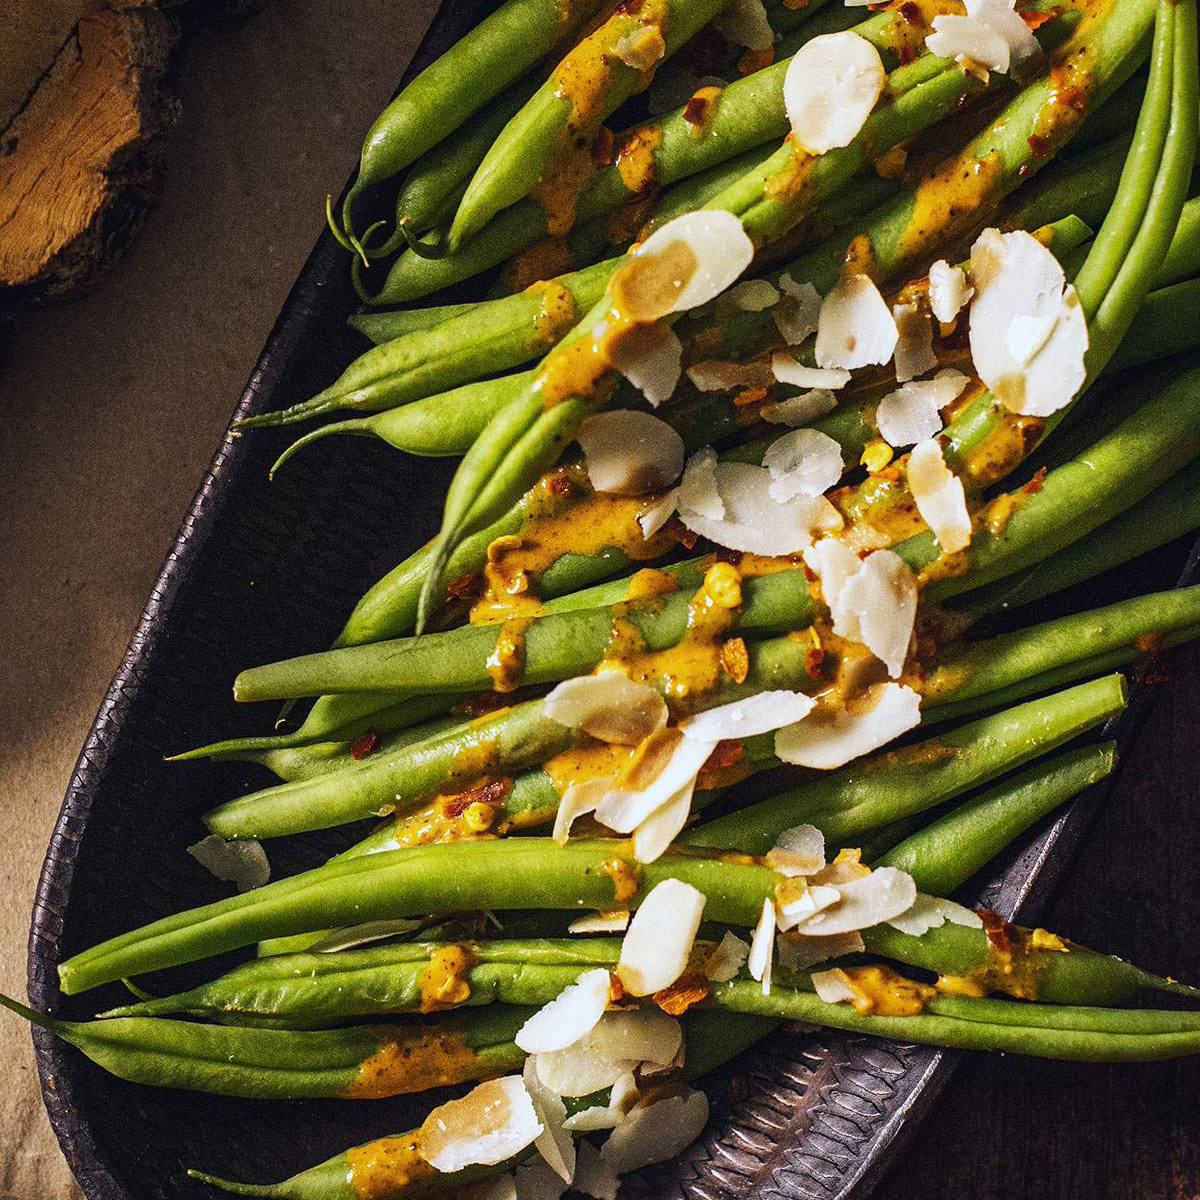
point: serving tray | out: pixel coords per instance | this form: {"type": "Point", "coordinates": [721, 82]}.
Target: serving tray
{"type": "Point", "coordinates": [260, 571]}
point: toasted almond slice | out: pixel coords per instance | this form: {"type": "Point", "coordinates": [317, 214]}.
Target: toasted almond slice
{"type": "Point", "coordinates": [601, 922]}
{"type": "Point", "coordinates": [800, 410]}
{"type": "Point", "coordinates": [491, 1123]}
{"type": "Point", "coordinates": [914, 347]}
{"type": "Point", "coordinates": [683, 264]}
{"type": "Point", "coordinates": [622, 1097]}
{"type": "Point", "coordinates": [879, 896]}
{"type": "Point", "coordinates": [659, 512]}
{"type": "Point", "coordinates": [698, 491]}
{"type": "Point", "coordinates": [804, 462]}
{"type": "Point", "coordinates": [762, 947]}
{"type": "Point", "coordinates": [655, 1132]}
{"type": "Point", "coordinates": [883, 596]}
{"type": "Point", "coordinates": [721, 375]}
{"type": "Point", "coordinates": [655, 951]}
{"type": "Point", "coordinates": [571, 1014]}
{"type": "Point", "coordinates": [580, 798]}
{"type": "Point", "coordinates": [912, 413]}
{"type": "Point", "coordinates": [651, 362]}
{"type": "Point", "coordinates": [856, 328]}
{"type": "Point", "coordinates": [656, 832]}
{"type": "Point", "coordinates": [827, 740]}
{"type": "Point", "coordinates": [754, 295]}
{"type": "Point", "coordinates": [1028, 334]}
{"type": "Point", "coordinates": [756, 714]}
{"type": "Point", "coordinates": [242, 863]}
{"type": "Point", "coordinates": [932, 912]}
{"type": "Point", "coordinates": [796, 315]}
{"type": "Point", "coordinates": [948, 290]}
{"type": "Point", "coordinates": [631, 800]}
{"type": "Point", "coordinates": [555, 1144]}
{"type": "Point", "coordinates": [593, 1177]}
{"type": "Point", "coordinates": [1024, 53]}
{"type": "Point", "coordinates": [939, 496]}
{"type": "Point", "coordinates": [833, 563]}
{"type": "Point", "coordinates": [799, 850]}
{"type": "Point", "coordinates": [833, 986]}
{"type": "Point", "coordinates": [830, 88]}
{"type": "Point", "coordinates": [581, 1069]}
{"type": "Point", "coordinates": [609, 706]}
{"type": "Point", "coordinates": [745, 23]}
{"type": "Point", "coordinates": [754, 521]}
{"type": "Point", "coordinates": [814, 899]}
{"type": "Point", "coordinates": [968, 40]}
{"type": "Point", "coordinates": [798, 952]}
{"type": "Point", "coordinates": [619, 1042]}
{"type": "Point", "coordinates": [787, 370]}
{"type": "Point", "coordinates": [630, 453]}
{"type": "Point", "coordinates": [727, 959]}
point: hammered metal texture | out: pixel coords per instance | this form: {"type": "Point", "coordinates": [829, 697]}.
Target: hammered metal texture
{"type": "Point", "coordinates": [259, 572]}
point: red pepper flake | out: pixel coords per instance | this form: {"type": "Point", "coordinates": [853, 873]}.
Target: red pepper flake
{"type": "Point", "coordinates": [1035, 484]}
{"type": "Point", "coordinates": [477, 704]}
{"type": "Point", "coordinates": [814, 662]}
{"type": "Point", "coordinates": [466, 587]}
{"type": "Point", "coordinates": [682, 534]}
{"type": "Point", "coordinates": [1001, 934]}
{"type": "Point", "coordinates": [682, 994]}
{"type": "Point", "coordinates": [1038, 144]}
{"type": "Point", "coordinates": [485, 793]}
{"type": "Point", "coordinates": [750, 396]}
{"type": "Point", "coordinates": [727, 753]}
{"type": "Point", "coordinates": [695, 109]}
{"type": "Point", "coordinates": [602, 147]}
{"type": "Point", "coordinates": [907, 53]}
{"type": "Point", "coordinates": [1036, 18]}
{"type": "Point", "coordinates": [911, 13]}
{"type": "Point", "coordinates": [560, 485]}
{"type": "Point", "coordinates": [756, 60]}
{"type": "Point", "coordinates": [366, 743]}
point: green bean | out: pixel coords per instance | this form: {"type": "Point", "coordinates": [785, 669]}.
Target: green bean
{"type": "Point", "coordinates": [477, 67]}
{"type": "Point", "coordinates": [508, 741]}
{"type": "Point", "coordinates": [538, 137]}
{"type": "Point", "coordinates": [1084, 185]}
{"type": "Point", "coordinates": [1063, 1016]}
{"type": "Point", "coordinates": [363, 1062]}
{"type": "Point", "coordinates": [896, 783]}
{"type": "Point", "coordinates": [388, 324]}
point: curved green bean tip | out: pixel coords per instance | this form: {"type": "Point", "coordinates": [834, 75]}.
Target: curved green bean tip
{"type": "Point", "coordinates": [422, 249]}
{"type": "Point", "coordinates": [229, 1185]}
{"type": "Point", "coordinates": [356, 280]}
{"type": "Point", "coordinates": [354, 425]}
{"type": "Point", "coordinates": [334, 227]}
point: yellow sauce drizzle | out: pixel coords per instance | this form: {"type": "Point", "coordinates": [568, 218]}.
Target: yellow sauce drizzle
{"type": "Point", "coordinates": [887, 993]}
{"type": "Point", "coordinates": [625, 877]}
{"type": "Point", "coordinates": [443, 983]}
{"type": "Point", "coordinates": [411, 1060]}
{"type": "Point", "coordinates": [635, 157]}
{"type": "Point", "coordinates": [507, 660]}
{"type": "Point", "coordinates": [389, 1168]}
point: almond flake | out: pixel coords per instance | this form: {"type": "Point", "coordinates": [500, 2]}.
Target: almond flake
{"type": "Point", "coordinates": [796, 315]}
{"type": "Point", "coordinates": [630, 453]}
{"type": "Point", "coordinates": [1028, 334]}
{"type": "Point", "coordinates": [882, 595]}
{"type": "Point", "coordinates": [804, 462]}
{"type": "Point", "coordinates": [622, 1097]}
{"type": "Point", "coordinates": [856, 328]}
{"type": "Point", "coordinates": [814, 899]}
{"type": "Point", "coordinates": [652, 362]}
{"type": "Point", "coordinates": [745, 23]}
{"type": "Point", "coordinates": [491, 1123]}
{"type": "Point", "coordinates": [756, 714]}
{"type": "Point", "coordinates": [593, 1177]}
{"type": "Point", "coordinates": [968, 41]}
{"type": "Point", "coordinates": [912, 413]}
{"type": "Point", "coordinates": [632, 799]}
{"type": "Point", "coordinates": [754, 295]}
{"type": "Point", "coordinates": [753, 520]}
{"type": "Point", "coordinates": [698, 491]}
{"type": "Point", "coordinates": [831, 739]}
{"type": "Point", "coordinates": [834, 563]}
{"type": "Point", "coordinates": [655, 1132]}
{"type": "Point", "coordinates": [833, 986]}
{"type": "Point", "coordinates": [948, 290]}
{"type": "Point", "coordinates": [939, 496]}
{"type": "Point", "coordinates": [554, 1143]}
{"type": "Point", "coordinates": [571, 1014]}
{"type": "Point", "coordinates": [720, 375]}
{"type": "Point", "coordinates": [580, 798]}
{"type": "Point", "coordinates": [242, 862]}
{"type": "Point", "coordinates": [1025, 54]}
{"type": "Point", "coordinates": [799, 850]}
{"type": "Point", "coordinates": [830, 88]}
{"type": "Point", "coordinates": [609, 706]}
{"type": "Point", "coordinates": [652, 519]}
{"type": "Point", "coordinates": [787, 370]}
{"type": "Point", "coordinates": [914, 347]}
{"type": "Point", "coordinates": [727, 959]}
{"type": "Point", "coordinates": [798, 952]}
{"type": "Point", "coordinates": [601, 922]}
{"type": "Point", "coordinates": [800, 410]}
{"type": "Point", "coordinates": [932, 912]}
{"type": "Point", "coordinates": [762, 947]}
{"type": "Point", "coordinates": [655, 951]}
{"type": "Point", "coordinates": [670, 277]}
{"type": "Point", "coordinates": [655, 833]}
{"type": "Point", "coordinates": [879, 896]}
{"type": "Point", "coordinates": [618, 1043]}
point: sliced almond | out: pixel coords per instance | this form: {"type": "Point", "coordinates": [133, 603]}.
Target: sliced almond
{"type": "Point", "coordinates": [756, 714]}
{"type": "Point", "coordinates": [825, 740]}
{"type": "Point", "coordinates": [948, 290]}
{"type": "Point", "coordinates": [754, 295]}
{"type": "Point", "coordinates": [720, 375]}
{"type": "Point", "coordinates": [796, 315]}
{"type": "Point", "coordinates": [830, 88]}
{"type": "Point", "coordinates": [967, 40]}
{"type": "Point", "coordinates": [630, 453]}
{"type": "Point", "coordinates": [683, 264]}
{"type": "Point", "coordinates": [727, 959]}
{"type": "Point", "coordinates": [490, 1124]}
{"type": "Point", "coordinates": [601, 922]}
{"type": "Point", "coordinates": [798, 952]}
{"type": "Point", "coordinates": [804, 462]}
{"type": "Point", "coordinates": [242, 863]}
{"type": "Point", "coordinates": [912, 413]}
{"type": "Point", "coordinates": [883, 596]}
{"type": "Point", "coordinates": [800, 410]}
{"type": "Point", "coordinates": [797, 851]}
{"type": "Point", "coordinates": [652, 518]}
{"type": "Point", "coordinates": [609, 706]}
{"type": "Point", "coordinates": [654, 835]}
{"type": "Point", "coordinates": [555, 1143]}
{"type": "Point", "coordinates": [1024, 53]}
{"type": "Point", "coordinates": [633, 798]}
{"type": "Point", "coordinates": [834, 563]}
{"type": "Point", "coordinates": [939, 495]}
{"type": "Point", "coordinates": [571, 1014]}
{"type": "Point", "coordinates": [787, 370]}
{"type": "Point", "coordinates": [744, 23]}
{"type": "Point", "coordinates": [762, 947]}
{"type": "Point", "coordinates": [652, 362]}
{"type": "Point", "coordinates": [580, 798]}
{"type": "Point", "coordinates": [932, 912]}
{"type": "Point", "coordinates": [833, 986]}
{"type": "Point", "coordinates": [856, 328]}
{"type": "Point", "coordinates": [655, 950]}
{"type": "Point", "coordinates": [619, 1041]}
{"type": "Point", "coordinates": [698, 492]}
{"type": "Point", "coordinates": [655, 1132]}
{"type": "Point", "coordinates": [814, 899]}
{"type": "Point", "coordinates": [622, 1097]}
{"type": "Point", "coordinates": [877, 897]}
{"type": "Point", "coordinates": [914, 348]}
{"type": "Point", "coordinates": [753, 520]}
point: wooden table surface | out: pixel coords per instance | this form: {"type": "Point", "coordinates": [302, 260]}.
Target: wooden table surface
{"type": "Point", "coordinates": [112, 407]}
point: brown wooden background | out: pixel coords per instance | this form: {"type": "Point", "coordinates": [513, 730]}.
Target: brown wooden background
{"type": "Point", "coordinates": [111, 408]}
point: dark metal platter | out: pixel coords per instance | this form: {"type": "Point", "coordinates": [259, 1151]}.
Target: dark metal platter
{"type": "Point", "coordinates": [260, 571]}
